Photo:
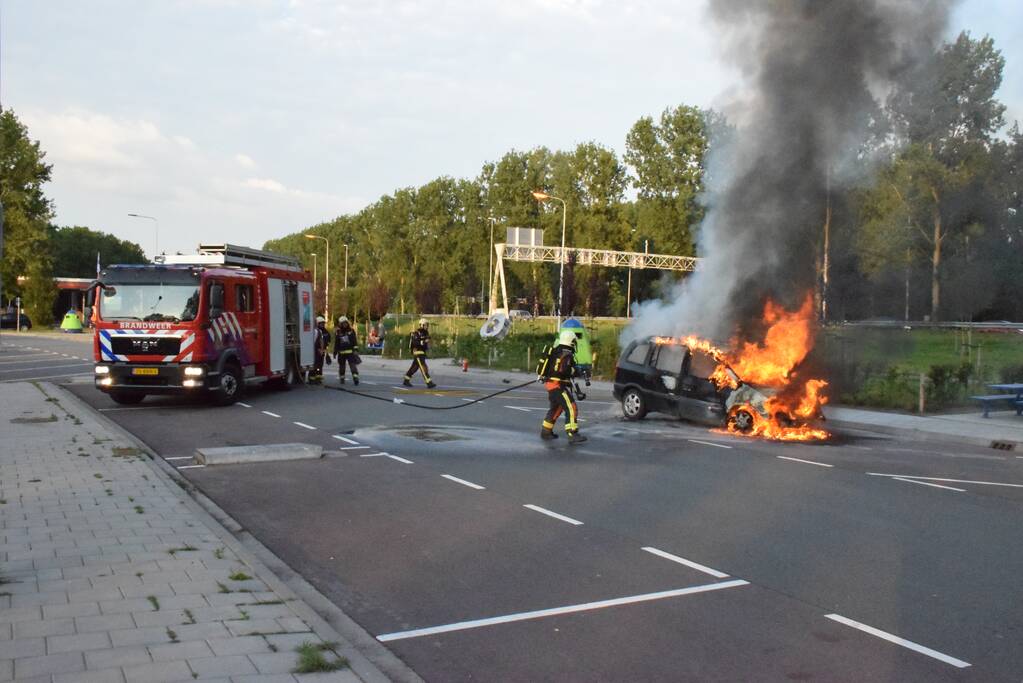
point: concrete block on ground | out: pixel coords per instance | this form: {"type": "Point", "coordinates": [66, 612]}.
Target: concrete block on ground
{"type": "Point", "coordinates": [234, 455]}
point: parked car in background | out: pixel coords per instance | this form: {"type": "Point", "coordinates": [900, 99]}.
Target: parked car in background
{"type": "Point", "coordinates": [520, 314]}
{"type": "Point", "coordinates": [8, 321]}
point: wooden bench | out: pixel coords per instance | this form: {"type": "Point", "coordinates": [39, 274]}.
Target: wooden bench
{"type": "Point", "coordinates": [986, 401]}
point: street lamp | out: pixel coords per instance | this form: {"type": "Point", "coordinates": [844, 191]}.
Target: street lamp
{"type": "Point", "coordinates": [543, 197]}
{"type": "Point", "coordinates": [314, 272]}
{"type": "Point", "coordinates": [346, 267]}
{"type": "Point", "coordinates": [326, 280]}
{"type": "Point", "coordinates": [151, 218]}
{"type": "Point", "coordinates": [493, 222]}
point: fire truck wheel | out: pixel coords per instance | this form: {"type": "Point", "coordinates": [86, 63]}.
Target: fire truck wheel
{"type": "Point", "coordinates": [230, 386]}
{"type": "Point", "coordinates": [633, 405]}
{"type": "Point", "coordinates": [127, 398]}
{"type": "Point", "coordinates": [741, 421]}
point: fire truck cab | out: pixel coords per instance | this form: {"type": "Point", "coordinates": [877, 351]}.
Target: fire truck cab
{"type": "Point", "coordinates": [211, 322]}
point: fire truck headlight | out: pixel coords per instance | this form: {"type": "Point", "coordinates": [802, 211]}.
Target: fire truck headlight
{"type": "Point", "coordinates": [102, 369]}
{"type": "Point", "coordinates": [106, 381]}
{"type": "Point", "coordinates": [194, 371]}
{"type": "Point", "coordinates": [190, 383]}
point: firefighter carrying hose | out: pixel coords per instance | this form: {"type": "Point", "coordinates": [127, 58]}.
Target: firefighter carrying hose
{"type": "Point", "coordinates": [319, 351]}
{"type": "Point", "coordinates": [346, 349]}
{"type": "Point", "coordinates": [557, 371]}
{"type": "Point", "coordinates": [419, 344]}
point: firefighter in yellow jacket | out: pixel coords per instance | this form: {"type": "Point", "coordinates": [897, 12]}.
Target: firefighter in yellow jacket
{"type": "Point", "coordinates": [558, 372]}
{"type": "Point", "coordinates": [419, 344]}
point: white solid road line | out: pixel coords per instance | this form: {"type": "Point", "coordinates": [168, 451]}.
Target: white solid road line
{"type": "Point", "coordinates": [401, 460]}
{"type": "Point", "coordinates": [346, 440]}
{"type": "Point", "coordinates": [958, 663]}
{"type": "Point", "coordinates": [525, 410]}
{"type": "Point", "coordinates": [557, 611]}
{"type": "Point", "coordinates": [191, 467]}
{"type": "Point", "coordinates": [927, 483]}
{"type": "Point", "coordinates": [692, 565]}
{"type": "Point", "coordinates": [29, 379]}
{"type": "Point", "coordinates": [374, 455]}
{"type": "Point", "coordinates": [352, 448]}
{"type": "Point", "coordinates": [463, 482]}
{"type": "Point", "coordinates": [243, 405]}
{"type": "Point", "coordinates": [267, 412]}
{"type": "Point", "coordinates": [708, 443]}
{"type": "Point", "coordinates": [33, 358]}
{"type": "Point", "coordinates": [808, 462]}
{"type": "Point", "coordinates": [304, 425]}
{"type": "Point", "coordinates": [555, 515]}
{"type": "Point", "coordinates": [180, 457]}
{"type": "Point", "coordinates": [951, 481]}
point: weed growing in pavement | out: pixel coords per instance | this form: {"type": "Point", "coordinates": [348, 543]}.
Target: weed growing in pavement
{"type": "Point", "coordinates": [182, 549]}
{"type": "Point", "coordinates": [110, 492]}
{"type": "Point", "coordinates": [311, 659]}
{"type": "Point", "coordinates": [172, 635]}
{"type": "Point", "coordinates": [98, 475]}
{"type": "Point", "coordinates": [189, 616]}
{"type": "Point", "coordinates": [218, 553]}
{"type": "Point", "coordinates": [244, 616]}
{"type": "Point", "coordinates": [263, 602]}
{"type": "Point", "coordinates": [131, 499]}
{"type": "Point", "coordinates": [140, 510]}
{"type": "Point", "coordinates": [139, 574]}
{"type": "Point", "coordinates": [154, 601]}
{"type": "Point", "coordinates": [3, 501]}
{"type": "Point", "coordinates": [239, 576]}
{"type": "Point", "coordinates": [222, 588]}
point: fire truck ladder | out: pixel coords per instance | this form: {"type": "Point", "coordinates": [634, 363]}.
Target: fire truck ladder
{"type": "Point", "coordinates": [231, 255]}
{"type": "Point", "coordinates": [583, 257]}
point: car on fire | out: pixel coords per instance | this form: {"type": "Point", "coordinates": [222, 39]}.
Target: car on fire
{"type": "Point", "coordinates": [666, 376]}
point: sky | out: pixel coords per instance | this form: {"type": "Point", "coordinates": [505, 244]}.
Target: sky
{"type": "Point", "coordinates": [244, 120]}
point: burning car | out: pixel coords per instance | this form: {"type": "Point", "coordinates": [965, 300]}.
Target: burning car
{"type": "Point", "coordinates": [753, 391]}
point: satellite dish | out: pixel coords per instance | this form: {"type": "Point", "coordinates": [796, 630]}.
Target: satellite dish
{"type": "Point", "coordinates": [497, 327]}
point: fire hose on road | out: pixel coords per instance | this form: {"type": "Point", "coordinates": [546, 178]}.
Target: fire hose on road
{"type": "Point", "coordinates": [397, 401]}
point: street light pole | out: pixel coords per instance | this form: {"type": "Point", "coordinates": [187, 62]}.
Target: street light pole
{"type": "Point", "coordinates": [346, 267]}
{"type": "Point", "coordinates": [326, 281]}
{"type": "Point", "coordinates": [543, 196]}
{"type": "Point", "coordinates": [314, 272]}
{"type": "Point", "coordinates": [151, 218]}
{"type": "Point", "coordinates": [493, 222]}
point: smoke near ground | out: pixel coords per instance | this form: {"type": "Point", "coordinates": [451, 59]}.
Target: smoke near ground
{"type": "Point", "coordinates": [816, 73]}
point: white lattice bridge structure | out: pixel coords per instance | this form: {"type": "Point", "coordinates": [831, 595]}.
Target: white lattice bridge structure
{"type": "Point", "coordinates": [539, 253]}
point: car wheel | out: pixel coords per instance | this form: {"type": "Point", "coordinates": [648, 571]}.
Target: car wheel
{"type": "Point", "coordinates": [127, 398]}
{"type": "Point", "coordinates": [633, 405]}
{"type": "Point", "coordinates": [741, 421]}
{"type": "Point", "coordinates": [229, 385]}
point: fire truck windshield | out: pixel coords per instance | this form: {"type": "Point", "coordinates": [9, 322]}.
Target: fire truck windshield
{"type": "Point", "coordinates": [150, 302]}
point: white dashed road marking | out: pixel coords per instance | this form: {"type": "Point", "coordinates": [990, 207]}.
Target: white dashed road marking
{"type": "Point", "coordinates": [304, 425]}
{"type": "Point", "coordinates": [401, 460]}
{"type": "Point", "coordinates": [708, 443]}
{"type": "Point", "coordinates": [352, 448]}
{"type": "Point", "coordinates": [243, 405]}
{"type": "Point", "coordinates": [951, 481]}
{"type": "Point", "coordinates": [958, 663]}
{"type": "Point", "coordinates": [191, 467]}
{"type": "Point", "coordinates": [267, 412]}
{"type": "Point", "coordinates": [689, 563]}
{"type": "Point", "coordinates": [927, 483]}
{"type": "Point", "coordinates": [556, 611]}
{"type": "Point", "coordinates": [346, 440]}
{"type": "Point", "coordinates": [463, 482]}
{"type": "Point", "coordinates": [555, 515]}
{"type": "Point", "coordinates": [808, 462]}
{"type": "Point", "coordinates": [373, 455]}
{"type": "Point", "coordinates": [180, 457]}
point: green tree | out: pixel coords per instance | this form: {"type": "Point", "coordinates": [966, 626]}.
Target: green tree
{"type": "Point", "coordinates": [27, 212]}
{"type": "Point", "coordinates": [75, 248]}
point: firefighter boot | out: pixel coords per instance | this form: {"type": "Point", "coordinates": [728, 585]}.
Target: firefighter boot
{"type": "Point", "coordinates": [355, 379]}
{"type": "Point", "coordinates": [341, 378]}
{"type": "Point", "coordinates": [547, 434]}
{"type": "Point", "coordinates": [431, 384]}
{"type": "Point", "coordinates": [576, 437]}
{"type": "Point", "coordinates": [406, 382]}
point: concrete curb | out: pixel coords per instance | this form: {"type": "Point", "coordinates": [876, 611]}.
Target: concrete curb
{"type": "Point", "coordinates": [922, 435]}
{"type": "Point", "coordinates": [368, 659]}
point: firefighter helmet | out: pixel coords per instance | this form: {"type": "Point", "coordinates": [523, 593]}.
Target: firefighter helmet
{"type": "Point", "coordinates": [567, 338]}
{"type": "Point", "coordinates": [320, 319]}
{"type": "Point", "coordinates": [342, 320]}
{"type": "Point", "coordinates": [423, 322]}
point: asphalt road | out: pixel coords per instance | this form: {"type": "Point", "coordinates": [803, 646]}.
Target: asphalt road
{"type": "Point", "coordinates": [30, 357]}
{"type": "Point", "coordinates": [656, 551]}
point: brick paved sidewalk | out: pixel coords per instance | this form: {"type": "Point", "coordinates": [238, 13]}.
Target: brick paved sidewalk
{"type": "Point", "coordinates": [108, 573]}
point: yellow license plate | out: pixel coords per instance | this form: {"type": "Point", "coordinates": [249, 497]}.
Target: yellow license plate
{"type": "Point", "coordinates": [145, 371]}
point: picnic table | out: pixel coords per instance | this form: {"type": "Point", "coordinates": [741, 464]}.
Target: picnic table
{"type": "Point", "coordinates": [1011, 393]}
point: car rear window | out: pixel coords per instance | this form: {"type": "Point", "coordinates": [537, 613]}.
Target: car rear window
{"type": "Point", "coordinates": [669, 358]}
{"type": "Point", "coordinates": [702, 365]}
{"type": "Point", "coordinates": [638, 354]}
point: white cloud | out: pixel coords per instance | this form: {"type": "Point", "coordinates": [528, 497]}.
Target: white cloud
{"type": "Point", "coordinates": [244, 160]}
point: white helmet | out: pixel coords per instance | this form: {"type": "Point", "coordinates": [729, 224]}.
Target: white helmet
{"type": "Point", "coordinates": [423, 322]}
{"type": "Point", "coordinates": [320, 319]}
{"type": "Point", "coordinates": [343, 319]}
{"type": "Point", "coordinates": [567, 338]}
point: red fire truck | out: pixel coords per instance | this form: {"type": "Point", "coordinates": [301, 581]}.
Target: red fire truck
{"type": "Point", "coordinates": [210, 322]}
